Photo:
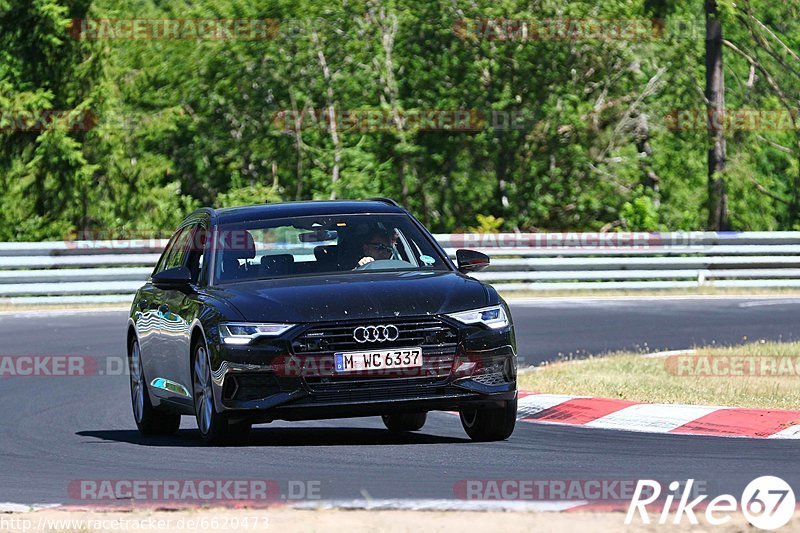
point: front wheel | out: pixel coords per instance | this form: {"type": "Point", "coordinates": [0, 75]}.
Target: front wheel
{"type": "Point", "coordinates": [213, 426]}
{"type": "Point", "coordinates": [149, 420]}
{"type": "Point", "coordinates": [490, 423]}
{"type": "Point", "coordinates": [405, 421]}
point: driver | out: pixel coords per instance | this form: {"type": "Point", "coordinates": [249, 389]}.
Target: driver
{"type": "Point", "coordinates": [378, 245]}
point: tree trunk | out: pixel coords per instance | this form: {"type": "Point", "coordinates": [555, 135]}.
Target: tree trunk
{"type": "Point", "coordinates": [389, 25]}
{"type": "Point", "coordinates": [650, 180]}
{"type": "Point", "coordinates": [331, 112]}
{"type": "Point", "coordinates": [715, 96]}
{"type": "Point", "coordinates": [298, 143]}
{"type": "Point", "coordinates": [504, 157]}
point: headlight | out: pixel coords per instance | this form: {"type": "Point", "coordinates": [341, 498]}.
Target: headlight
{"type": "Point", "coordinates": [244, 332]}
{"type": "Point", "coordinates": [493, 317]}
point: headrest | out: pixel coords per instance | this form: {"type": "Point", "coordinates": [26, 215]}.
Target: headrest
{"type": "Point", "coordinates": [325, 252]}
{"type": "Point", "coordinates": [277, 265]}
{"type": "Point", "coordinates": [236, 244]}
{"type": "Point", "coordinates": [277, 259]}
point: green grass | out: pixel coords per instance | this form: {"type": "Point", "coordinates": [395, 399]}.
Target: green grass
{"type": "Point", "coordinates": [632, 376]}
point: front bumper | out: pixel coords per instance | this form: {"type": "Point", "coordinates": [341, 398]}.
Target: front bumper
{"type": "Point", "coordinates": [267, 381]}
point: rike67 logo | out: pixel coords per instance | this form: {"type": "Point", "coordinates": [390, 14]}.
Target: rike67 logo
{"type": "Point", "coordinates": [768, 503]}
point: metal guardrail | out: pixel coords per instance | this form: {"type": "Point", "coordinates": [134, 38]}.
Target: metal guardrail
{"type": "Point", "coordinates": [110, 271]}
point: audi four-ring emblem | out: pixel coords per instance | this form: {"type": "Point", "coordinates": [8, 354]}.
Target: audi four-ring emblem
{"type": "Point", "coordinates": [364, 334]}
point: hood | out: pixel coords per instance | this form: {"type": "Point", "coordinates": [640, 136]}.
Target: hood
{"type": "Point", "coordinates": [355, 296]}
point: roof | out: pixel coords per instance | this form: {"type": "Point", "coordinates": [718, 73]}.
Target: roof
{"type": "Point", "coordinates": [299, 209]}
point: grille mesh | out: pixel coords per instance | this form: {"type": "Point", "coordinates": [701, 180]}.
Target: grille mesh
{"type": "Point", "coordinates": [437, 339]}
{"type": "Point", "coordinates": [339, 337]}
{"type": "Point", "coordinates": [496, 378]}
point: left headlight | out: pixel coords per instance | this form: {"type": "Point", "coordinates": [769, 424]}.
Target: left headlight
{"type": "Point", "coordinates": [244, 332]}
{"type": "Point", "coordinates": [493, 317]}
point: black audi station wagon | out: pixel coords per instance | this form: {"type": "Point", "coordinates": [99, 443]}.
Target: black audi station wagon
{"type": "Point", "coordinates": [315, 310]}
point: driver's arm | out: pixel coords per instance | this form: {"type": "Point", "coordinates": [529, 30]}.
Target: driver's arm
{"type": "Point", "coordinates": [364, 260]}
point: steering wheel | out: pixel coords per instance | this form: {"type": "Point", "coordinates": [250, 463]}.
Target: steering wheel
{"type": "Point", "coordinates": [384, 264]}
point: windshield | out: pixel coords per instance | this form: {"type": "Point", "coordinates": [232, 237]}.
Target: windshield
{"type": "Point", "coordinates": [305, 246]}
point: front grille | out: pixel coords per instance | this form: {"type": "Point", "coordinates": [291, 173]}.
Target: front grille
{"type": "Point", "coordinates": [423, 332]}
{"type": "Point", "coordinates": [437, 339]}
{"type": "Point", "coordinates": [378, 390]}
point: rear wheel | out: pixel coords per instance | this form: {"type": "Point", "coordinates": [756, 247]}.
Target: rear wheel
{"type": "Point", "coordinates": [149, 420]}
{"type": "Point", "coordinates": [490, 423]}
{"type": "Point", "coordinates": [405, 421]}
{"type": "Point", "coordinates": [213, 426]}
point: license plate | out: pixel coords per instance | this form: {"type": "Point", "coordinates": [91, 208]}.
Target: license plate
{"type": "Point", "coordinates": [378, 359]}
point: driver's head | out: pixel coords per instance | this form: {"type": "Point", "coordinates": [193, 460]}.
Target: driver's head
{"type": "Point", "coordinates": [378, 245]}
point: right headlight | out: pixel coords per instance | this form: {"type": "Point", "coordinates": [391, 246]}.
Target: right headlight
{"type": "Point", "coordinates": [493, 317]}
{"type": "Point", "coordinates": [245, 332]}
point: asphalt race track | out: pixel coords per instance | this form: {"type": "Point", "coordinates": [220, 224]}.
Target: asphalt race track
{"type": "Point", "coordinates": [54, 430]}
{"type": "Point", "coordinates": [548, 329]}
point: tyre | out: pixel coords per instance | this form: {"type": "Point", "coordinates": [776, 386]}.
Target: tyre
{"type": "Point", "coordinates": [490, 423]}
{"type": "Point", "coordinates": [213, 426]}
{"type": "Point", "coordinates": [405, 421]}
{"type": "Point", "coordinates": [149, 420]}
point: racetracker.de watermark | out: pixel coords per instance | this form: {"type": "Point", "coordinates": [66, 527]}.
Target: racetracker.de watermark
{"type": "Point", "coordinates": [579, 240]}
{"type": "Point", "coordinates": [121, 239]}
{"type": "Point", "coordinates": [574, 490]}
{"type": "Point", "coordinates": [70, 366]}
{"type": "Point", "coordinates": [38, 121]}
{"type": "Point", "coordinates": [193, 490]}
{"type": "Point", "coordinates": [577, 29]}
{"type": "Point", "coordinates": [178, 29]}
{"type": "Point", "coordinates": [730, 120]}
{"type": "Point", "coordinates": [154, 241]}
{"type": "Point", "coordinates": [365, 120]}
{"type": "Point", "coordinates": [727, 366]}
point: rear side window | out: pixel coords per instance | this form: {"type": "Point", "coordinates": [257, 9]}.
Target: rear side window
{"type": "Point", "coordinates": [162, 262]}
{"type": "Point", "coordinates": [180, 250]}
{"type": "Point", "coordinates": [177, 250]}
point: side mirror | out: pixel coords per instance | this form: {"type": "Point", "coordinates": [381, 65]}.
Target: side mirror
{"type": "Point", "coordinates": [173, 278]}
{"type": "Point", "coordinates": [471, 261]}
